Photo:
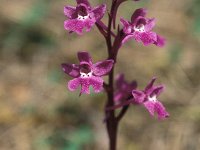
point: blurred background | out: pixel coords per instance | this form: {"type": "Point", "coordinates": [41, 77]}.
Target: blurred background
{"type": "Point", "coordinates": [37, 112]}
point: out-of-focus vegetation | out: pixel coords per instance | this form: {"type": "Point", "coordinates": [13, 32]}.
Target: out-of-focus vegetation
{"type": "Point", "coordinates": [37, 112]}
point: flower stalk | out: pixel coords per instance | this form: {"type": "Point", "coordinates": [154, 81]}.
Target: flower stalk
{"type": "Point", "coordinates": [111, 120]}
{"type": "Point", "coordinates": [120, 93]}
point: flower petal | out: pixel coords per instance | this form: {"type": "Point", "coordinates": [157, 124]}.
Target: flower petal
{"type": "Point", "coordinates": [160, 41]}
{"type": "Point", "coordinates": [146, 38]}
{"type": "Point", "coordinates": [150, 24]}
{"type": "Point", "coordinates": [84, 57]}
{"type": "Point", "coordinates": [150, 106]}
{"type": "Point", "coordinates": [82, 9]}
{"type": "Point", "coordinates": [73, 84]}
{"type": "Point", "coordinates": [85, 85]}
{"type": "Point", "coordinates": [99, 11]}
{"type": "Point", "coordinates": [96, 83]}
{"type": "Point", "coordinates": [127, 38]}
{"type": "Point", "coordinates": [89, 23]}
{"type": "Point", "coordinates": [139, 96]}
{"type": "Point", "coordinates": [126, 26]}
{"type": "Point", "coordinates": [118, 96]}
{"type": "Point", "coordinates": [156, 90]}
{"type": "Point", "coordinates": [71, 69]}
{"type": "Point", "coordinates": [150, 84]}
{"type": "Point", "coordinates": [138, 12]}
{"type": "Point", "coordinates": [103, 67]}
{"type": "Point", "coordinates": [119, 80]}
{"type": "Point", "coordinates": [160, 109]}
{"type": "Point", "coordinates": [83, 2]}
{"type": "Point", "coordinates": [77, 25]}
{"type": "Point", "coordinates": [74, 25]}
{"type": "Point", "coordinates": [70, 11]}
{"type": "Point", "coordinates": [140, 20]}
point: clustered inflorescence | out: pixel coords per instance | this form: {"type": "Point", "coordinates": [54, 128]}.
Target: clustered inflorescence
{"type": "Point", "coordinates": [82, 18]}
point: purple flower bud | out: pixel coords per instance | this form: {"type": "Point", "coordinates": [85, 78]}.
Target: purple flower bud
{"type": "Point", "coordinates": [123, 89]}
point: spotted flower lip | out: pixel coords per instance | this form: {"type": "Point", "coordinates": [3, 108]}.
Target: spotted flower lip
{"type": "Point", "coordinates": [140, 29]}
{"type": "Point", "coordinates": [83, 16]}
{"type": "Point", "coordinates": [123, 89]}
{"type": "Point", "coordinates": [87, 74]}
{"type": "Point", "coordinates": [148, 98]}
